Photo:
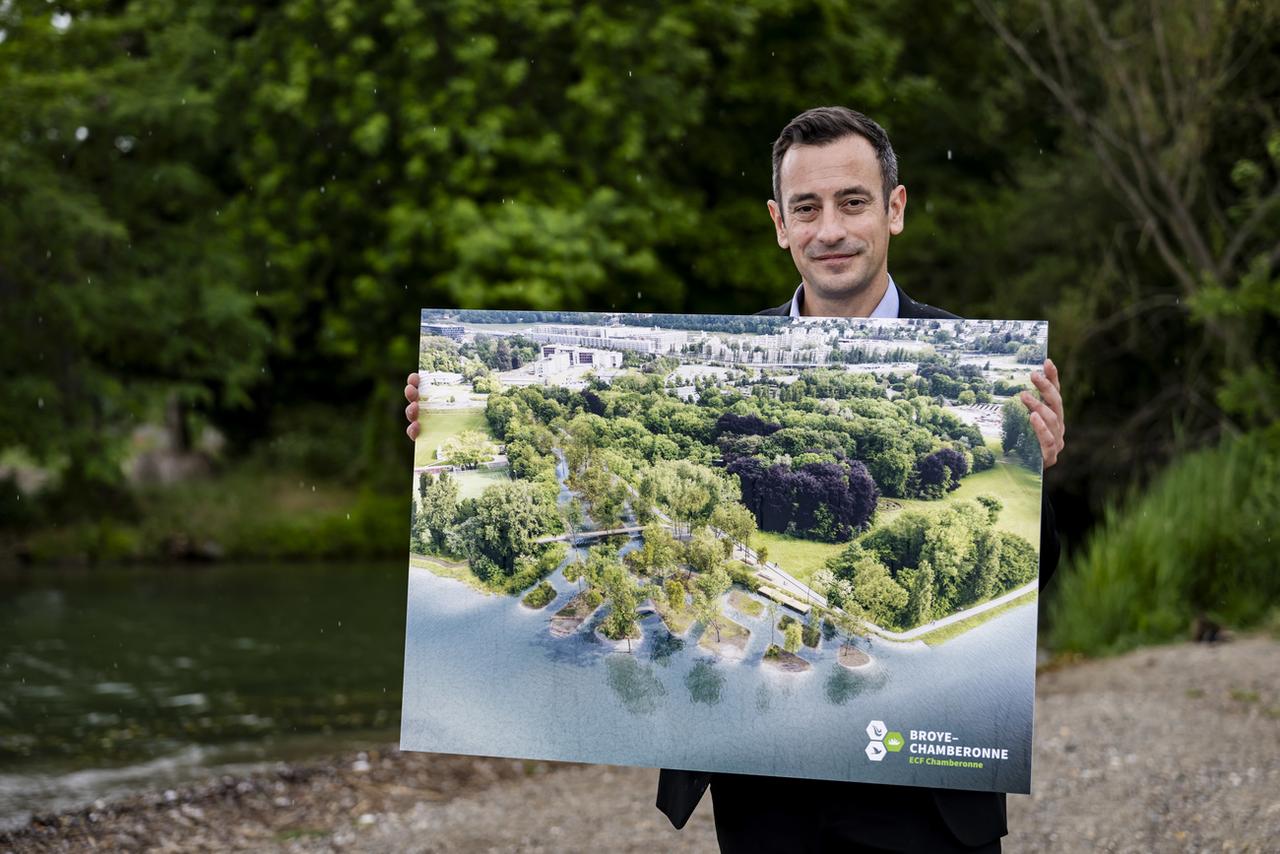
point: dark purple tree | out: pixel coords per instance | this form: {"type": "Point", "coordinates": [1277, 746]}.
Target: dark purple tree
{"type": "Point", "coordinates": [777, 504]}
{"type": "Point", "coordinates": [931, 476]}
{"type": "Point", "coordinates": [592, 402]}
{"type": "Point", "coordinates": [955, 463]}
{"type": "Point", "coordinates": [748, 425]}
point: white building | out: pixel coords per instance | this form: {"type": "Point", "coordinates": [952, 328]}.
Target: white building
{"type": "Point", "coordinates": [561, 357]}
{"type": "Point", "coordinates": [639, 339]}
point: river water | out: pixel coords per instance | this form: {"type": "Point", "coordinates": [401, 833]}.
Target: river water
{"type": "Point", "coordinates": [114, 679]}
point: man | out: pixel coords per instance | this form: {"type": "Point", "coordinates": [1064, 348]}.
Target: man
{"type": "Point", "coordinates": [836, 203]}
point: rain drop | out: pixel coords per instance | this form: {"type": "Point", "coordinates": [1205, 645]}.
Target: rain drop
{"type": "Point", "coordinates": [948, 154]}
{"type": "Point", "coordinates": [82, 133]}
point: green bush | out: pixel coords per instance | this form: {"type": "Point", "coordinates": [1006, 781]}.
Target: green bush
{"type": "Point", "coordinates": [741, 575]}
{"type": "Point", "coordinates": [540, 596]}
{"type": "Point", "coordinates": [810, 634]}
{"type": "Point", "coordinates": [105, 540]}
{"type": "Point", "coordinates": [674, 592]}
{"type": "Point", "coordinates": [1199, 540]}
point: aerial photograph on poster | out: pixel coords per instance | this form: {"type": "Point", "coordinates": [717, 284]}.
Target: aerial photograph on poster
{"type": "Point", "coordinates": [802, 547]}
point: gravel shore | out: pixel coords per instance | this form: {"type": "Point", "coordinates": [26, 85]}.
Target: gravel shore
{"type": "Point", "coordinates": [1172, 748]}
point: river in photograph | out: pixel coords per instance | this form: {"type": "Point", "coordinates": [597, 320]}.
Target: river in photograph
{"type": "Point", "coordinates": [484, 675]}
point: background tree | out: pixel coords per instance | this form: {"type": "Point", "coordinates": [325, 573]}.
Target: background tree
{"type": "Point", "coordinates": [574, 518]}
{"type": "Point", "coordinates": [620, 590]}
{"type": "Point", "coordinates": [439, 504]}
{"type": "Point", "coordinates": [1017, 436]}
{"type": "Point", "coordinates": [468, 449]}
{"type": "Point", "coordinates": [791, 637]}
{"type": "Point", "coordinates": [658, 553]}
{"type": "Point", "coordinates": [1166, 120]}
{"type": "Point", "coordinates": [703, 552]}
{"type": "Point", "coordinates": [738, 524]}
{"type": "Point", "coordinates": [675, 594]}
{"type": "Point", "coordinates": [122, 290]}
{"type": "Point", "coordinates": [507, 518]}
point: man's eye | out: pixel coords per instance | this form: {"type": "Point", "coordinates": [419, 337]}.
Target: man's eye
{"type": "Point", "coordinates": [855, 203]}
{"type": "Point", "coordinates": [804, 209]}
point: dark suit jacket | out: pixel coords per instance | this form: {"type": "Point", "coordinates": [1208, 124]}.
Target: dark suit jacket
{"type": "Point", "coordinates": [972, 817]}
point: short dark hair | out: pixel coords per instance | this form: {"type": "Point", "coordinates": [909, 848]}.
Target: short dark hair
{"type": "Point", "coordinates": [823, 125]}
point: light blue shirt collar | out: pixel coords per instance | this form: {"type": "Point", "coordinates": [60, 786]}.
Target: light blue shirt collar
{"type": "Point", "coordinates": [888, 306]}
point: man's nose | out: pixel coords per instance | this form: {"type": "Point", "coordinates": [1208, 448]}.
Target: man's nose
{"type": "Point", "coordinates": [830, 229]}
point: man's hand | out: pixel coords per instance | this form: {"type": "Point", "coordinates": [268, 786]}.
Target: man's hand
{"type": "Point", "coordinates": [411, 411]}
{"type": "Point", "coordinates": [1046, 413]}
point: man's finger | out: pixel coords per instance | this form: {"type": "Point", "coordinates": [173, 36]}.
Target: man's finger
{"type": "Point", "coordinates": [1049, 445]}
{"type": "Point", "coordinates": [411, 412]}
{"type": "Point", "coordinates": [1049, 429]}
{"type": "Point", "coordinates": [413, 430]}
{"type": "Point", "coordinates": [1051, 371]}
{"type": "Point", "coordinates": [1039, 407]}
{"type": "Point", "coordinates": [1049, 394]}
{"type": "Point", "coordinates": [411, 392]}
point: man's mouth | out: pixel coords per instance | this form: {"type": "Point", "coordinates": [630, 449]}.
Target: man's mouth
{"type": "Point", "coordinates": [841, 256]}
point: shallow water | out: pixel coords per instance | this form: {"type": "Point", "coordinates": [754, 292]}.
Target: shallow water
{"type": "Point", "coordinates": [118, 678]}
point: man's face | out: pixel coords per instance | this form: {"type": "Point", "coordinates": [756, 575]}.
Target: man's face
{"type": "Point", "coordinates": [833, 217]}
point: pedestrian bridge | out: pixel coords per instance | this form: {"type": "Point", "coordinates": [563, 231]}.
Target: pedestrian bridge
{"type": "Point", "coordinates": [590, 535]}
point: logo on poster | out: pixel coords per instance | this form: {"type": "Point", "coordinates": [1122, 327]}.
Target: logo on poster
{"type": "Point", "coordinates": [883, 741]}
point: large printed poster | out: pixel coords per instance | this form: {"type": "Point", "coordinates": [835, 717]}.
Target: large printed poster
{"type": "Point", "coordinates": [802, 547]}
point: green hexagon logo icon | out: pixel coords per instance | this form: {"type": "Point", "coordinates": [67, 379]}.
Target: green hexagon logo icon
{"type": "Point", "coordinates": [893, 742]}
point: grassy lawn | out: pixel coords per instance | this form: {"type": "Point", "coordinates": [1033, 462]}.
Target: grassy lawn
{"type": "Point", "coordinates": [472, 483]}
{"type": "Point", "coordinates": [799, 558]}
{"type": "Point", "coordinates": [731, 634]}
{"type": "Point", "coordinates": [745, 604]}
{"type": "Point", "coordinates": [678, 622]}
{"type": "Point", "coordinates": [440, 394]}
{"type": "Point", "coordinates": [1017, 487]}
{"type": "Point", "coordinates": [440, 424]}
{"type": "Point", "coordinates": [946, 633]}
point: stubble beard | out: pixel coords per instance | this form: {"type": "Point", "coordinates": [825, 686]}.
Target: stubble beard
{"type": "Point", "coordinates": [840, 288]}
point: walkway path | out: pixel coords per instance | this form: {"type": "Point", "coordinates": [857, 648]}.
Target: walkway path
{"type": "Point", "coordinates": [590, 535]}
{"type": "Point", "coordinates": [912, 634]}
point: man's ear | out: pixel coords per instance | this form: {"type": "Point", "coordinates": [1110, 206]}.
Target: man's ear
{"type": "Point", "coordinates": [775, 213]}
{"type": "Point", "coordinates": [897, 209]}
